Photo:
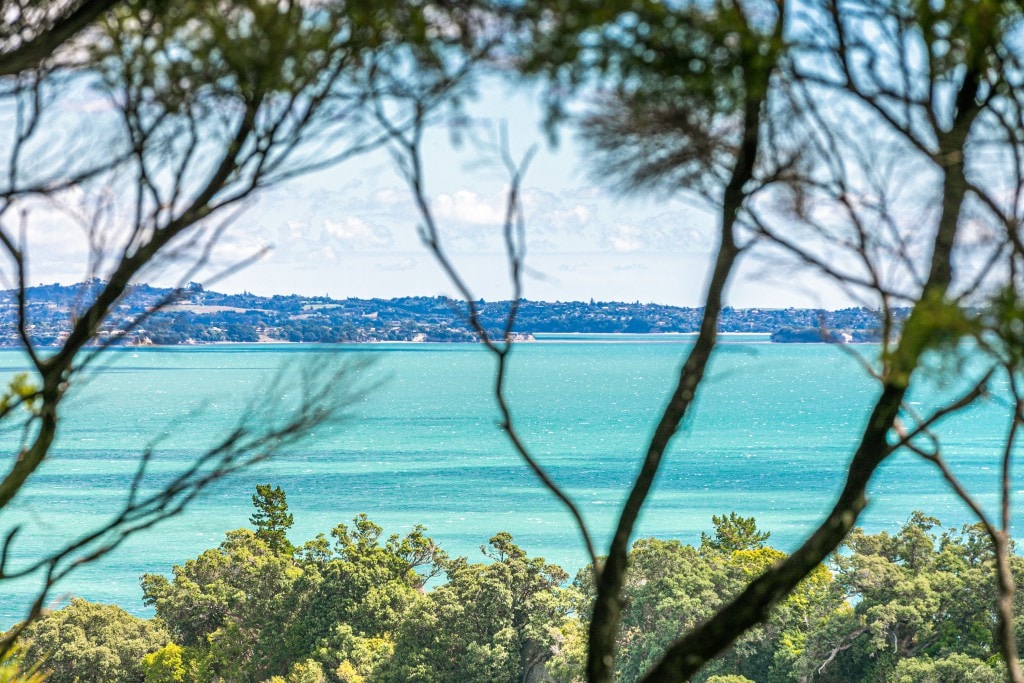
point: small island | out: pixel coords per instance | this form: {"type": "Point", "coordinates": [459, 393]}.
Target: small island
{"type": "Point", "coordinates": [817, 335]}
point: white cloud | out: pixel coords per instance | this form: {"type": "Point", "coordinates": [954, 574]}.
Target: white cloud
{"type": "Point", "coordinates": [625, 238]}
{"type": "Point", "coordinates": [664, 233]}
{"type": "Point", "coordinates": [468, 207]}
{"type": "Point", "coordinates": [353, 232]}
{"type": "Point", "coordinates": [236, 246]}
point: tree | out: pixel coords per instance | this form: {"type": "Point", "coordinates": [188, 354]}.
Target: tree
{"type": "Point", "coordinates": [90, 642]}
{"type": "Point", "coordinates": [34, 32]}
{"type": "Point", "coordinates": [912, 606]}
{"type": "Point", "coordinates": [250, 610]}
{"type": "Point", "coordinates": [493, 622]}
{"type": "Point", "coordinates": [922, 606]}
{"type": "Point", "coordinates": [13, 670]}
{"type": "Point", "coordinates": [272, 519]}
{"type": "Point", "coordinates": [199, 108]}
{"type": "Point", "coordinates": [166, 665]}
{"type": "Point", "coordinates": [799, 125]}
{"type": "Point", "coordinates": [734, 533]}
{"type": "Point", "coordinates": [357, 611]}
{"type": "Point", "coordinates": [673, 586]}
{"type": "Point", "coordinates": [952, 669]}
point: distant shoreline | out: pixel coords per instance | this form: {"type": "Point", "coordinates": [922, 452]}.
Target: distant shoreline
{"type": "Point", "coordinates": [542, 338]}
{"type": "Point", "coordinates": [682, 338]}
{"type": "Point", "coordinates": [200, 317]}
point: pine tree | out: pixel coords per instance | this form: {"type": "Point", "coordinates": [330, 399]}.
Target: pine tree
{"type": "Point", "coordinates": [734, 533]}
{"type": "Point", "coordinates": [272, 519]}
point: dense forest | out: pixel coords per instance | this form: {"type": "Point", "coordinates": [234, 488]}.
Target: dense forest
{"type": "Point", "coordinates": [915, 606]}
{"type": "Point", "coordinates": [194, 315]}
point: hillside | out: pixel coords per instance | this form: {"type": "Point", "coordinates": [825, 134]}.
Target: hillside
{"type": "Point", "coordinates": [196, 315]}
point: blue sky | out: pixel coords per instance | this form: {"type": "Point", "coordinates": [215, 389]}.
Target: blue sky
{"type": "Point", "coordinates": [351, 230]}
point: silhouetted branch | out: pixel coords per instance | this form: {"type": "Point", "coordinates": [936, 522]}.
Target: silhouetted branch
{"type": "Point", "coordinates": [184, 153]}
{"type": "Point", "coordinates": [407, 148]}
{"type": "Point", "coordinates": [261, 431]}
{"type": "Point", "coordinates": [688, 654]}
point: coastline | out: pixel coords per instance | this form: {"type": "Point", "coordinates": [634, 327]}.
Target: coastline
{"type": "Point", "coordinates": [198, 316]}
{"type": "Point", "coordinates": [754, 338]}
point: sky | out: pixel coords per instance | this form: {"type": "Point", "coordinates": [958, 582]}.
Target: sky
{"type": "Point", "coordinates": [351, 231]}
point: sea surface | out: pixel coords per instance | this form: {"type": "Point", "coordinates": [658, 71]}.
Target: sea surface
{"type": "Point", "coordinates": [770, 436]}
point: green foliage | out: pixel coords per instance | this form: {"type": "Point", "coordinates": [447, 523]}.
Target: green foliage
{"type": "Point", "coordinates": [272, 519]}
{"type": "Point", "coordinates": [248, 612]}
{"type": "Point", "coordinates": [916, 606]}
{"type": "Point", "coordinates": [956, 668]}
{"type": "Point", "coordinates": [252, 609]}
{"type": "Point", "coordinates": [675, 79]}
{"type": "Point", "coordinates": [569, 652]}
{"type": "Point", "coordinates": [14, 670]}
{"type": "Point", "coordinates": [489, 622]}
{"type": "Point", "coordinates": [358, 657]}
{"type": "Point", "coordinates": [733, 532]}
{"type": "Point", "coordinates": [671, 587]}
{"type": "Point", "coordinates": [91, 642]}
{"type": "Point", "coordinates": [923, 606]}
{"type": "Point", "coordinates": [912, 607]}
{"type": "Point", "coordinates": [363, 585]}
{"type": "Point", "coordinates": [231, 603]}
{"type": "Point", "coordinates": [307, 671]}
{"type": "Point", "coordinates": [166, 665]}
{"type": "Point", "coordinates": [20, 390]}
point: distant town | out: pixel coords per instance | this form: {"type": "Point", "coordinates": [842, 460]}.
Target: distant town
{"type": "Point", "coordinates": [193, 315]}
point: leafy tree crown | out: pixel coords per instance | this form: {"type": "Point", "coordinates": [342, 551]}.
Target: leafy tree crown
{"type": "Point", "coordinates": [733, 532]}
{"type": "Point", "coordinates": [272, 519]}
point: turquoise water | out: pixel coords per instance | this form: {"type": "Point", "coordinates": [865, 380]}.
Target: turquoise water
{"type": "Point", "coordinates": [770, 437]}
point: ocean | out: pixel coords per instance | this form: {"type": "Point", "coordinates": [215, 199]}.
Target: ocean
{"type": "Point", "coordinates": [770, 437]}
